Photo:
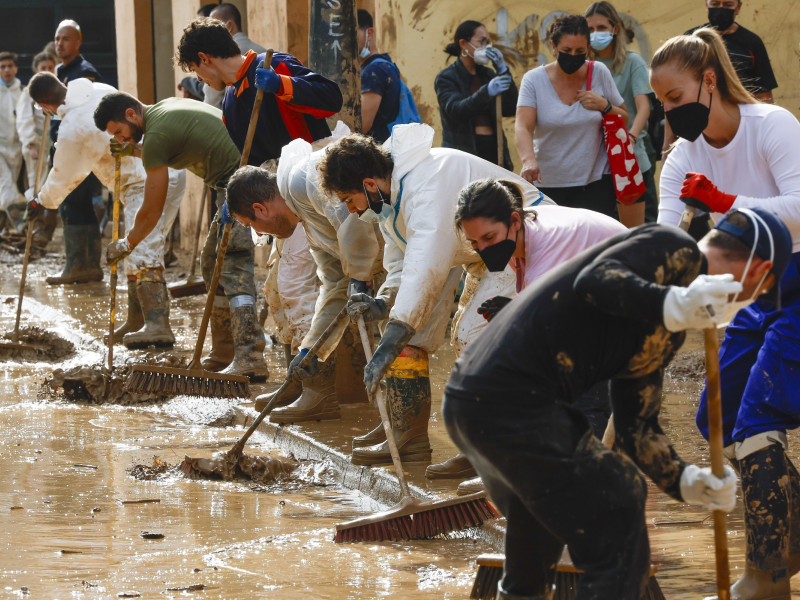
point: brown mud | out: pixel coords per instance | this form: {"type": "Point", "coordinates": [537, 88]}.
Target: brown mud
{"type": "Point", "coordinates": [46, 345]}
{"type": "Point", "coordinates": [260, 469]}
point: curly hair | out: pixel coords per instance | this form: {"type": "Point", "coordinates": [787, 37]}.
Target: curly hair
{"type": "Point", "coordinates": [351, 159]}
{"type": "Point", "coordinates": [206, 35]}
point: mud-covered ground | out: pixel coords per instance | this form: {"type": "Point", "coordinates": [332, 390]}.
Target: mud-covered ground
{"type": "Point", "coordinates": [94, 502]}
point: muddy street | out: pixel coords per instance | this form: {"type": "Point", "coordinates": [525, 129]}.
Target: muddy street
{"type": "Point", "coordinates": [78, 519]}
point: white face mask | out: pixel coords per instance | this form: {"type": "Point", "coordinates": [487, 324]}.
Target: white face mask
{"type": "Point", "coordinates": [479, 56]}
{"type": "Point", "coordinates": [733, 307]}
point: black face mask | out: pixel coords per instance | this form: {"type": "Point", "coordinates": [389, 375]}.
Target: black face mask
{"type": "Point", "coordinates": [496, 256]}
{"type": "Point", "coordinates": [570, 63]}
{"type": "Point", "coordinates": [721, 18]}
{"type": "Point", "coordinates": [690, 120]}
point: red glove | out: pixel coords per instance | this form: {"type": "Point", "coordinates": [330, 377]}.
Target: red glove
{"type": "Point", "coordinates": [698, 191]}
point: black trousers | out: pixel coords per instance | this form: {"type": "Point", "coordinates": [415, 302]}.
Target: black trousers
{"type": "Point", "coordinates": [598, 196]}
{"type": "Point", "coordinates": [77, 208]}
{"type": "Point", "coordinates": [556, 484]}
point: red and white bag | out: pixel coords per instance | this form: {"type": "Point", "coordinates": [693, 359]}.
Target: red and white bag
{"type": "Point", "coordinates": [628, 180]}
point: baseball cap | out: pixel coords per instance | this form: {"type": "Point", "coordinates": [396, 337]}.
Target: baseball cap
{"type": "Point", "coordinates": [769, 236]}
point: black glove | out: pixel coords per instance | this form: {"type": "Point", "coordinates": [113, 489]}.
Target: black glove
{"type": "Point", "coordinates": [489, 309]}
{"type": "Point", "coordinates": [295, 371]}
{"type": "Point", "coordinates": [394, 339]}
{"type": "Point", "coordinates": [372, 309]}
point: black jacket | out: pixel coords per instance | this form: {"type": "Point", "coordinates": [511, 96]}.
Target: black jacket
{"type": "Point", "coordinates": [459, 107]}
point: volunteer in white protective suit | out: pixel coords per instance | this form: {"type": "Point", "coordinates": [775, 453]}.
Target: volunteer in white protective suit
{"type": "Point", "coordinates": [411, 189]}
{"type": "Point", "coordinates": [10, 147]}
{"type": "Point", "coordinates": [343, 249]}
{"type": "Point", "coordinates": [82, 149]}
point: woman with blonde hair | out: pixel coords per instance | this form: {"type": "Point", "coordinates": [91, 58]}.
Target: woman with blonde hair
{"type": "Point", "coordinates": [608, 38]}
{"type": "Point", "coordinates": [750, 150]}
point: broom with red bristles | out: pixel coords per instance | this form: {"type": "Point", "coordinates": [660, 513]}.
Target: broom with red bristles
{"type": "Point", "coordinates": [412, 519]}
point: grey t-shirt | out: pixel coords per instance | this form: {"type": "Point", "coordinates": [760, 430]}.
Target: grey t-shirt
{"type": "Point", "coordinates": [568, 140]}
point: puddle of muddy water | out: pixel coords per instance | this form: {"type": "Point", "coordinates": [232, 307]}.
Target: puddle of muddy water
{"type": "Point", "coordinates": [72, 518]}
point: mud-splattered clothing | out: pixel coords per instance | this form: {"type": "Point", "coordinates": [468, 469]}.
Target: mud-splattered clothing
{"type": "Point", "coordinates": [509, 405]}
{"type": "Point", "coordinates": [297, 110]}
{"type": "Point", "coordinates": [10, 147]}
{"type": "Point", "coordinates": [379, 75]}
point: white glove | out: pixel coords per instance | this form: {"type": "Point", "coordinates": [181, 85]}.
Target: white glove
{"type": "Point", "coordinates": [29, 194]}
{"type": "Point", "coordinates": [694, 307]}
{"type": "Point", "coordinates": [699, 486]}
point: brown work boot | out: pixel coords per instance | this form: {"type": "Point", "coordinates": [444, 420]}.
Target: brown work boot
{"type": "Point", "coordinates": [408, 394]}
{"type": "Point", "coordinates": [134, 320]}
{"type": "Point", "coordinates": [154, 300]}
{"type": "Point", "coordinates": [455, 467]}
{"type": "Point", "coordinates": [470, 486]}
{"type": "Point", "coordinates": [317, 402]}
{"type": "Point", "coordinates": [375, 436]}
{"type": "Point", "coordinates": [221, 353]}
{"type": "Point", "coordinates": [248, 341]}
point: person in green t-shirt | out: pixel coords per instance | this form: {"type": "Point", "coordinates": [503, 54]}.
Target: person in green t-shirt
{"type": "Point", "coordinates": [186, 134]}
{"type": "Point", "coordinates": [608, 39]}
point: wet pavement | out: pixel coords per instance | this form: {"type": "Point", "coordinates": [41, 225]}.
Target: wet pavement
{"type": "Point", "coordinates": [72, 517]}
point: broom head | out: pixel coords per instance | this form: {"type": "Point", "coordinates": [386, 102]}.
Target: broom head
{"type": "Point", "coordinates": [412, 519]}
{"type": "Point", "coordinates": [149, 379]}
{"type": "Point", "coordinates": [187, 287]}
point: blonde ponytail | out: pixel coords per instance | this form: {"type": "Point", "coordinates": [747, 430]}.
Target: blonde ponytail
{"type": "Point", "coordinates": [701, 50]}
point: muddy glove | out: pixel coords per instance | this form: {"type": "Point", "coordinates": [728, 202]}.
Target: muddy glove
{"type": "Point", "coordinates": [225, 216]}
{"type": "Point", "coordinates": [295, 371]}
{"type": "Point", "coordinates": [499, 84]}
{"type": "Point", "coordinates": [699, 486]}
{"type": "Point", "coordinates": [268, 80]}
{"type": "Point", "coordinates": [122, 149]}
{"type": "Point", "coordinates": [118, 250]}
{"type": "Point", "coordinates": [356, 286]}
{"type": "Point", "coordinates": [698, 191]}
{"type": "Point", "coordinates": [497, 60]}
{"type": "Point", "coordinates": [694, 307]}
{"type": "Point", "coordinates": [364, 305]}
{"type": "Point", "coordinates": [489, 309]}
{"type": "Point", "coordinates": [394, 339]}
{"type": "Point", "coordinates": [33, 209]}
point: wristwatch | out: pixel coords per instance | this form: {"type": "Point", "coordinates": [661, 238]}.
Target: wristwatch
{"type": "Point", "coordinates": [607, 109]}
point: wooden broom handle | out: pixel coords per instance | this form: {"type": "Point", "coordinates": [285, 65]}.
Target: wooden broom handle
{"type": "Point", "coordinates": [29, 235]}
{"type": "Point", "coordinates": [226, 234]}
{"type": "Point", "coordinates": [198, 229]}
{"type": "Point", "coordinates": [714, 400]}
{"type": "Point", "coordinates": [498, 127]}
{"type": "Point", "coordinates": [112, 317]}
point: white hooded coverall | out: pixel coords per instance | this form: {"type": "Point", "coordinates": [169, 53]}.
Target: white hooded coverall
{"type": "Point", "coordinates": [10, 147]}
{"type": "Point", "coordinates": [30, 125]}
{"type": "Point", "coordinates": [81, 149]}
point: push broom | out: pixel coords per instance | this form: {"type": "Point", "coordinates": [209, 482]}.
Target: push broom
{"type": "Point", "coordinates": [193, 285]}
{"type": "Point", "coordinates": [15, 344]}
{"type": "Point", "coordinates": [412, 518]}
{"type": "Point", "coordinates": [194, 381]}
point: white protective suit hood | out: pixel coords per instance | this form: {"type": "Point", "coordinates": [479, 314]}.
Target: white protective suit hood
{"type": "Point", "coordinates": [409, 144]}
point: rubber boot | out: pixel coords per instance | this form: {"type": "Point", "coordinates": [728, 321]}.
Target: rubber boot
{"type": "Point", "coordinates": [134, 320]}
{"type": "Point", "coordinates": [94, 251]}
{"type": "Point", "coordinates": [292, 392]}
{"type": "Point", "coordinates": [470, 486]}
{"type": "Point", "coordinates": [221, 353]}
{"type": "Point", "coordinates": [455, 467]}
{"type": "Point", "coordinates": [350, 363]}
{"type": "Point", "coordinates": [151, 288]}
{"type": "Point", "coordinates": [248, 340]}
{"type": "Point", "coordinates": [317, 402]}
{"type": "Point", "coordinates": [375, 436]}
{"type": "Point", "coordinates": [408, 393]}
{"type": "Point", "coordinates": [76, 242]}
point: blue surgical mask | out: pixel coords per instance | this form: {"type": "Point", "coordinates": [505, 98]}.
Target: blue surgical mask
{"type": "Point", "coordinates": [600, 40]}
{"type": "Point", "coordinates": [376, 212]}
{"type": "Point", "coordinates": [365, 50]}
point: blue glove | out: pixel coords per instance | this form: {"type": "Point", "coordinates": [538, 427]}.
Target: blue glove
{"type": "Point", "coordinates": [268, 80]}
{"type": "Point", "coordinates": [295, 371]}
{"type": "Point", "coordinates": [394, 339]}
{"type": "Point", "coordinates": [499, 84]}
{"type": "Point", "coordinates": [225, 217]}
{"type": "Point", "coordinates": [497, 59]}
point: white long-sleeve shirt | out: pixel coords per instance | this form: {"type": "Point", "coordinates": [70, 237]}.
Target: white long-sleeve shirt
{"type": "Point", "coordinates": [760, 165]}
{"type": "Point", "coordinates": [9, 95]}
{"type": "Point", "coordinates": [30, 120]}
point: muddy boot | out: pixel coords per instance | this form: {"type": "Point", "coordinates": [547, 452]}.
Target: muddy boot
{"type": "Point", "coordinates": [456, 467]}
{"type": "Point", "coordinates": [408, 393]}
{"type": "Point", "coordinates": [4, 221]}
{"type": "Point", "coordinates": [350, 363]}
{"type": "Point", "coordinates": [75, 249]}
{"type": "Point", "coordinates": [134, 320]}
{"type": "Point", "coordinates": [292, 392]}
{"type": "Point", "coordinates": [94, 251]}
{"type": "Point", "coordinates": [318, 400]}
{"type": "Point", "coordinates": [221, 353]}
{"type": "Point", "coordinates": [152, 291]}
{"type": "Point", "coordinates": [376, 436]}
{"type": "Point", "coordinates": [248, 341]}
{"type": "Point", "coordinates": [470, 486]}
